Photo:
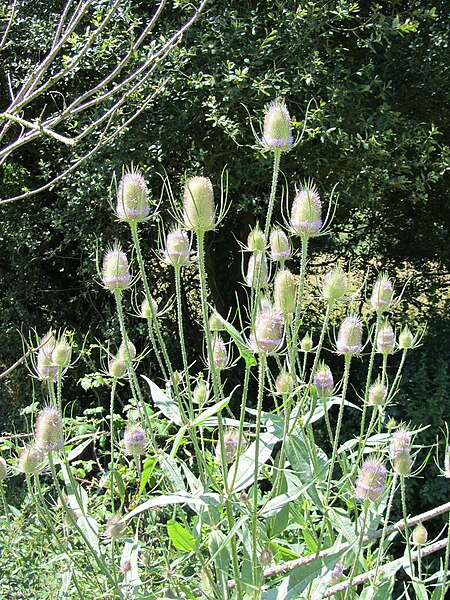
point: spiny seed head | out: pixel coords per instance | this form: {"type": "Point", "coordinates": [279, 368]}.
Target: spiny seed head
{"type": "Point", "coordinates": [256, 241]}
{"type": "Point", "coordinates": [220, 353]}
{"type": "Point", "coordinates": [371, 480]}
{"type": "Point", "coordinates": [117, 368]}
{"type": "Point", "coordinates": [277, 127]}
{"type": "Point", "coordinates": [267, 335]}
{"type": "Point", "coordinates": [377, 393]}
{"type": "Point", "coordinates": [307, 343]}
{"type": "Point", "coordinates": [231, 446]}
{"type": "Point", "coordinates": [49, 429]}
{"type": "Point", "coordinates": [45, 369]}
{"type": "Point", "coordinates": [123, 354]}
{"type": "Point", "coordinates": [115, 527]}
{"type": "Point", "coordinates": [323, 381]}
{"type": "Point", "coordinates": [280, 247]}
{"type": "Point", "coordinates": [3, 469]}
{"type": "Point", "coordinates": [420, 535]}
{"type": "Point", "coordinates": [306, 212]}
{"type": "Point", "coordinates": [62, 353]}
{"type": "Point", "coordinates": [47, 344]}
{"type": "Point", "coordinates": [134, 440]}
{"type": "Point", "coordinates": [285, 292]}
{"type": "Point", "coordinates": [257, 270]}
{"type": "Point", "coordinates": [349, 339]}
{"type": "Point", "coordinates": [125, 565]}
{"type": "Point", "coordinates": [405, 339]}
{"type": "Point", "coordinates": [132, 197]}
{"type": "Point", "coordinates": [200, 392]}
{"type": "Point", "coordinates": [146, 311]}
{"type": "Point", "coordinates": [177, 248]}
{"type": "Point", "coordinates": [198, 203]}
{"type": "Point", "coordinates": [284, 383]}
{"type": "Point", "coordinates": [116, 273]}
{"type": "Point", "coordinates": [30, 460]}
{"type": "Point", "coordinates": [335, 284]}
{"type": "Point", "coordinates": [382, 294]}
{"type": "Point", "coordinates": [385, 339]}
{"type": "Point", "coordinates": [400, 451]}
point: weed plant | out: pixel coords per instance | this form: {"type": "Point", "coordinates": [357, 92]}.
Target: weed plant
{"type": "Point", "coordinates": [169, 493]}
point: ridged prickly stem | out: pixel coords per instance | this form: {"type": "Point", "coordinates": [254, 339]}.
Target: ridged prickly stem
{"type": "Point", "coordinates": [300, 290]}
{"type": "Point", "coordinates": [384, 368]}
{"type": "Point", "coordinates": [204, 303]}
{"type": "Point", "coordinates": [358, 550]}
{"type": "Point", "coordinates": [59, 390]}
{"type": "Point", "coordinates": [399, 370]}
{"type": "Point", "coordinates": [323, 331]}
{"type": "Point", "coordinates": [368, 382]}
{"type": "Point", "coordinates": [111, 463]}
{"type": "Point", "coordinates": [257, 569]}
{"type": "Point", "coordinates": [181, 334]}
{"type": "Point", "coordinates": [273, 192]}
{"type": "Point", "coordinates": [386, 519]}
{"type": "Point", "coordinates": [405, 518]}
{"type": "Point", "coordinates": [5, 506]}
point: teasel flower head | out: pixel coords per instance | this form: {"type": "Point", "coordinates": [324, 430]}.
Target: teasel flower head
{"type": "Point", "coordinates": [266, 557]}
{"type": "Point", "coordinates": [306, 344]}
{"type": "Point", "coordinates": [284, 383]}
{"type": "Point", "coordinates": [382, 294]}
{"type": "Point", "coordinates": [116, 272]}
{"type": "Point", "coordinates": [337, 574]}
{"type": "Point", "coordinates": [132, 197]}
{"type": "Point", "coordinates": [277, 135]}
{"type": "Point", "coordinates": [400, 452]}
{"type": "Point", "coordinates": [257, 271]}
{"type": "Point", "coordinates": [306, 212]}
{"type": "Point", "coordinates": [231, 446]}
{"type": "Point", "coordinates": [420, 535]}
{"type": "Point", "coordinates": [256, 241]}
{"type": "Point", "coordinates": [47, 344]}
{"type": "Point", "coordinates": [215, 322]}
{"type": "Point", "coordinates": [377, 393]}
{"type": "Point", "coordinates": [285, 292]}
{"type": "Point", "coordinates": [349, 339]}
{"type": "Point", "coordinates": [335, 285]}
{"type": "Point", "coordinates": [117, 368]}
{"type": "Point", "coordinates": [45, 369]}
{"type": "Point", "coordinates": [115, 527]}
{"type": "Point", "coordinates": [200, 392]}
{"type": "Point", "coordinates": [385, 339]}
{"type": "Point", "coordinates": [3, 469]}
{"type": "Point", "coordinates": [146, 310]}
{"type": "Point", "coordinates": [122, 352]}
{"type": "Point", "coordinates": [371, 480]}
{"type": "Point", "coordinates": [30, 460]}
{"type": "Point", "coordinates": [62, 353]}
{"type": "Point", "coordinates": [49, 430]}
{"type": "Point", "coordinates": [280, 246]}
{"type": "Point", "coordinates": [134, 440]}
{"type": "Point", "coordinates": [220, 356]}
{"type": "Point", "coordinates": [177, 249]}
{"type": "Point", "coordinates": [267, 335]}
{"type": "Point", "coordinates": [323, 381]}
{"type": "Point", "coordinates": [199, 213]}
{"type": "Point", "coordinates": [406, 339]}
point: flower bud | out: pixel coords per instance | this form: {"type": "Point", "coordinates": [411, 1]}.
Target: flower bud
{"type": "Point", "coordinates": [405, 339]}
{"type": "Point", "coordinates": [200, 393]}
{"type": "Point", "coordinates": [323, 381]}
{"type": "Point", "coordinates": [117, 368]}
{"type": "Point", "coordinates": [177, 248]}
{"type": "Point", "coordinates": [199, 211]}
{"type": "Point", "coordinates": [123, 354]}
{"type": "Point", "coordinates": [231, 446]}
{"type": "Point", "coordinates": [306, 212]}
{"type": "Point", "coordinates": [350, 336]}
{"type": "Point", "coordinates": [385, 339]}
{"type": "Point", "coordinates": [284, 383]}
{"type": "Point", "coordinates": [307, 343]}
{"type": "Point", "coordinates": [277, 127]}
{"type": "Point", "coordinates": [62, 353]}
{"type": "Point", "coordinates": [115, 527]}
{"type": "Point", "coordinates": [3, 469]}
{"type": "Point", "coordinates": [30, 460]}
{"type": "Point", "coordinates": [400, 452]}
{"type": "Point", "coordinates": [220, 353]}
{"type": "Point", "coordinates": [134, 440]}
{"type": "Point", "coordinates": [280, 247]}
{"type": "Point", "coordinates": [285, 292]}
{"type": "Point", "coordinates": [335, 284]}
{"type": "Point", "coordinates": [256, 241]}
{"type": "Point", "coordinates": [420, 535]}
{"type": "Point", "coordinates": [371, 480]}
{"type": "Point", "coordinates": [267, 335]}
{"type": "Point", "coordinates": [49, 429]}
{"type": "Point", "coordinates": [266, 557]}
{"type": "Point", "coordinates": [382, 294]}
{"type": "Point", "coordinates": [257, 270]}
{"type": "Point", "coordinates": [146, 311]}
{"type": "Point", "coordinates": [215, 322]}
{"type": "Point", "coordinates": [132, 197]}
{"type": "Point", "coordinates": [116, 274]}
{"type": "Point", "coordinates": [377, 393]}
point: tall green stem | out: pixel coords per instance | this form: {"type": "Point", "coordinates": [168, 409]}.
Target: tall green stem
{"type": "Point", "coordinates": [386, 519]}
{"type": "Point", "coordinates": [358, 549]}
{"type": "Point", "coordinates": [111, 418]}
{"type": "Point", "coordinates": [273, 191]}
